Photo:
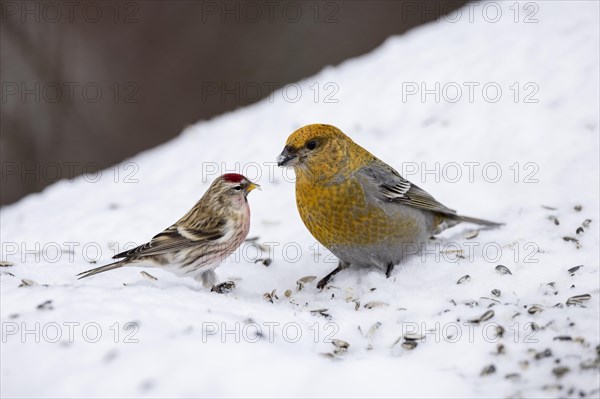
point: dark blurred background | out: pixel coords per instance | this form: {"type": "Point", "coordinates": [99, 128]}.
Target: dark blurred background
{"type": "Point", "coordinates": [86, 84]}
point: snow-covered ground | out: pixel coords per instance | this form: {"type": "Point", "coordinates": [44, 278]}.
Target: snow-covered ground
{"type": "Point", "coordinates": [124, 334]}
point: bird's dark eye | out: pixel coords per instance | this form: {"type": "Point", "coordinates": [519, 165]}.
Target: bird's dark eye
{"type": "Point", "coordinates": [311, 145]}
{"type": "Point", "coordinates": [237, 188]}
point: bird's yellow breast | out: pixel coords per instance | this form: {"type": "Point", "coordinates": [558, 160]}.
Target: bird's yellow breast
{"type": "Point", "coordinates": [339, 214]}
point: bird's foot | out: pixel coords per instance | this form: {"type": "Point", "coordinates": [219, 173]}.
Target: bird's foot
{"type": "Point", "coordinates": [207, 278]}
{"type": "Point", "coordinates": [323, 282]}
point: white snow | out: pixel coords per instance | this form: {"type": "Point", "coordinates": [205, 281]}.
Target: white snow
{"type": "Point", "coordinates": [181, 348]}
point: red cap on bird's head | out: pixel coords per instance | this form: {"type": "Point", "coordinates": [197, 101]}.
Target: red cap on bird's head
{"type": "Point", "coordinates": [233, 177]}
{"type": "Point", "coordinates": [243, 181]}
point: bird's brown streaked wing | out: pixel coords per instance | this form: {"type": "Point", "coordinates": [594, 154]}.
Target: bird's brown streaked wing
{"type": "Point", "coordinates": [171, 239]}
{"type": "Point", "coordinates": [388, 185]}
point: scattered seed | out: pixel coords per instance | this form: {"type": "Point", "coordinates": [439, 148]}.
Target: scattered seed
{"type": "Point", "coordinates": [47, 305]}
{"type": "Point", "coordinates": [560, 371]}
{"type": "Point", "coordinates": [550, 208]}
{"type": "Point", "coordinates": [563, 338]}
{"type": "Point", "coordinates": [484, 317]}
{"type": "Point", "coordinates": [579, 230]}
{"type": "Point", "coordinates": [550, 288]}
{"type": "Point", "coordinates": [499, 331]}
{"type": "Point", "coordinates": [339, 352]}
{"type": "Point", "coordinates": [413, 337]}
{"type": "Point", "coordinates": [305, 280]}
{"type": "Point", "coordinates": [341, 346]}
{"type": "Point", "coordinates": [578, 299]}
{"type": "Point", "coordinates": [534, 309]}
{"type": "Point", "coordinates": [6, 264]}
{"type": "Point", "coordinates": [148, 275]}
{"type": "Point", "coordinates": [27, 283]}
{"type": "Point", "coordinates": [452, 251]}
{"type": "Point", "coordinates": [267, 262]}
{"type": "Point", "coordinates": [375, 304]}
{"type": "Point", "coordinates": [574, 269]}
{"type": "Point", "coordinates": [590, 364]}
{"type": "Point", "coordinates": [573, 240]}
{"type": "Point", "coordinates": [503, 269]}
{"type": "Point", "coordinates": [493, 300]}
{"type": "Point", "coordinates": [500, 349]}
{"type": "Point", "coordinates": [554, 219]}
{"type": "Point", "coordinates": [578, 208]}
{"type": "Point", "coordinates": [288, 293]}
{"type": "Point", "coordinates": [559, 305]}
{"type": "Point", "coordinates": [357, 305]}
{"type": "Point", "coordinates": [541, 355]}
{"type": "Point", "coordinates": [471, 303]}
{"type": "Point", "coordinates": [409, 345]}
{"type": "Point", "coordinates": [513, 376]}
{"type": "Point", "coordinates": [463, 279]}
{"type": "Point", "coordinates": [586, 223]}
{"type": "Point", "coordinates": [270, 296]}
{"type": "Point", "coordinates": [321, 312]}
{"type": "Point", "coordinates": [496, 292]}
{"type": "Point", "coordinates": [472, 234]}
{"type": "Point", "coordinates": [223, 288]}
{"type": "Point", "coordinates": [487, 370]}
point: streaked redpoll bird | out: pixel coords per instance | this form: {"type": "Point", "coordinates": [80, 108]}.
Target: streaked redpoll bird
{"type": "Point", "coordinates": [198, 242]}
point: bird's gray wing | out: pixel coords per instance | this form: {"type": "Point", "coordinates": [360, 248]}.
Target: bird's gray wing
{"type": "Point", "coordinates": [172, 239]}
{"type": "Point", "coordinates": [387, 185]}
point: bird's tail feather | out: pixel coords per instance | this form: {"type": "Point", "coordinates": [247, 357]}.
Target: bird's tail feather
{"type": "Point", "coordinates": [478, 221]}
{"type": "Point", "coordinates": [101, 269]}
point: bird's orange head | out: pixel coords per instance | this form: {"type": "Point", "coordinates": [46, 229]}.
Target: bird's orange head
{"type": "Point", "coordinates": [318, 152]}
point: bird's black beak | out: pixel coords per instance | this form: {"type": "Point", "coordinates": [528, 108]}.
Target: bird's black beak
{"type": "Point", "coordinates": [288, 157]}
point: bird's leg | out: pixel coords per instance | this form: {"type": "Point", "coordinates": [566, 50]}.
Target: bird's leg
{"type": "Point", "coordinates": [323, 282]}
{"type": "Point", "coordinates": [390, 269]}
{"type": "Point", "coordinates": [207, 278]}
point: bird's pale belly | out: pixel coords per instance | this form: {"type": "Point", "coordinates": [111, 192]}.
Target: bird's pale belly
{"type": "Point", "coordinates": [359, 232]}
